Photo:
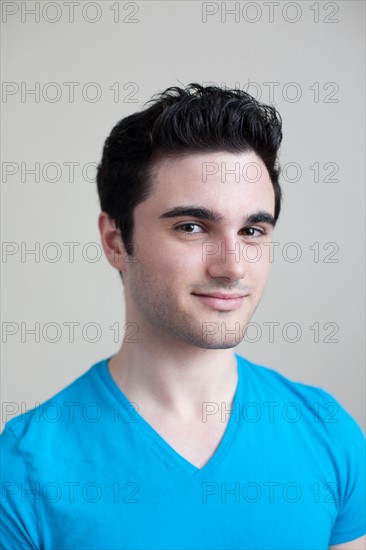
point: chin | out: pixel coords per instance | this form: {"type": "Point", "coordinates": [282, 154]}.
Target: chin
{"type": "Point", "coordinates": [218, 345]}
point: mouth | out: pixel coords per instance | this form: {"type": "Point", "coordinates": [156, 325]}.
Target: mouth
{"type": "Point", "coordinates": [224, 302]}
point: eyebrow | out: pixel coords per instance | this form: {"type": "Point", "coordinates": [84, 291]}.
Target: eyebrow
{"type": "Point", "coordinates": [207, 214]}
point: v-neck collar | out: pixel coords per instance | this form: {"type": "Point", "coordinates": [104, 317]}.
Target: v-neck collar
{"type": "Point", "coordinates": [168, 450]}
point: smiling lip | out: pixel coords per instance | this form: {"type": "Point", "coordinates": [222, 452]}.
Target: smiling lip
{"type": "Point", "coordinates": [222, 301]}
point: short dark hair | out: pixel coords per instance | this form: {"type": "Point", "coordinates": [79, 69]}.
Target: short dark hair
{"type": "Point", "coordinates": [180, 122]}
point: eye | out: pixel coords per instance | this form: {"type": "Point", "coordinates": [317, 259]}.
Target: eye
{"type": "Point", "coordinates": [185, 228]}
{"type": "Point", "coordinates": [253, 232]}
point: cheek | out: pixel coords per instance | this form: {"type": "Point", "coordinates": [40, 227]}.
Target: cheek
{"type": "Point", "coordinates": [267, 255]}
{"type": "Point", "coordinates": [258, 263]}
{"type": "Point", "coordinates": [170, 263]}
{"type": "Point", "coordinates": [265, 264]}
{"type": "Point", "coordinates": [177, 258]}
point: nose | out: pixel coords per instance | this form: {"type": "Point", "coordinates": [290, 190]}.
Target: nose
{"type": "Point", "coordinates": [225, 260]}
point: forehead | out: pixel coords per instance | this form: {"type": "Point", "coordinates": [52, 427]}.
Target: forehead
{"type": "Point", "coordinates": [229, 179]}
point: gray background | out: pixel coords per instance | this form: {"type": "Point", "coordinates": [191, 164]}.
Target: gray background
{"type": "Point", "coordinates": [313, 52]}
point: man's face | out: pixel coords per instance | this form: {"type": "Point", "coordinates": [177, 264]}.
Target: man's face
{"type": "Point", "coordinates": [179, 258]}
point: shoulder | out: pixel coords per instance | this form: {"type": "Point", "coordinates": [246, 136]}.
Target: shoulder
{"type": "Point", "coordinates": [271, 378]}
{"type": "Point", "coordinates": [323, 432]}
{"type": "Point", "coordinates": [324, 412]}
{"type": "Point", "coordinates": [36, 447]}
{"type": "Point", "coordinates": [53, 415]}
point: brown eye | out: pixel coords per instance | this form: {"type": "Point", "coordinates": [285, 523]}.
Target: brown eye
{"type": "Point", "coordinates": [185, 228]}
{"type": "Point", "coordinates": [253, 232]}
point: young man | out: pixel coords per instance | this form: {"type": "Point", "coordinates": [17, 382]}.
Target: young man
{"type": "Point", "coordinates": [177, 442]}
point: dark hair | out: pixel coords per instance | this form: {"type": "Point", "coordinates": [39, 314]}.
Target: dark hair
{"type": "Point", "coordinates": [182, 121]}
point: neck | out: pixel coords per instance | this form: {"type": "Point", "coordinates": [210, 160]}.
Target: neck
{"type": "Point", "coordinates": [167, 373]}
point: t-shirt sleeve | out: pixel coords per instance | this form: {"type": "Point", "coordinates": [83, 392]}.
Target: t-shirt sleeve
{"type": "Point", "coordinates": [18, 519]}
{"type": "Point", "coordinates": [350, 523]}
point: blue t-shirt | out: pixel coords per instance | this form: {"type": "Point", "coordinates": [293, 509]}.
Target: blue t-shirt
{"type": "Point", "coordinates": [85, 470]}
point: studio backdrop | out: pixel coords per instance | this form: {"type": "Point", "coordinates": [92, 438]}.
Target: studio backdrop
{"type": "Point", "coordinates": [71, 70]}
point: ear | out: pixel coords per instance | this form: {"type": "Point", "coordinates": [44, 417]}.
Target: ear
{"type": "Point", "coordinates": [112, 242]}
